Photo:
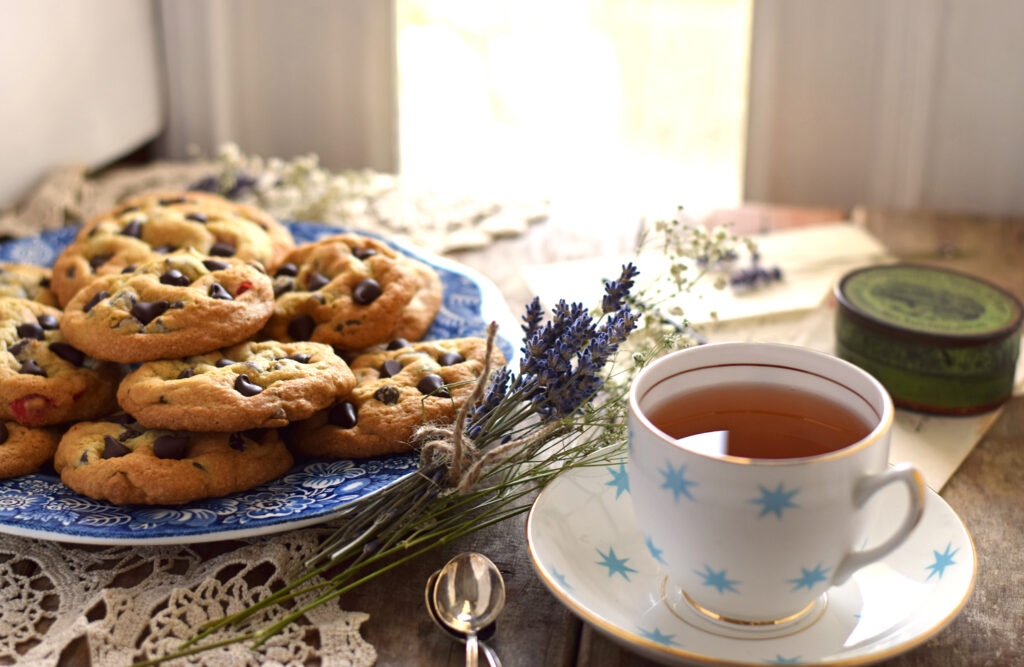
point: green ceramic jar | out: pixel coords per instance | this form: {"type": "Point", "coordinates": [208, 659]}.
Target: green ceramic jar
{"type": "Point", "coordinates": [940, 341]}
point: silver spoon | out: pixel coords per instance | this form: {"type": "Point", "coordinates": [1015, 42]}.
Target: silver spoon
{"type": "Point", "coordinates": [469, 594]}
{"type": "Point", "coordinates": [484, 635]}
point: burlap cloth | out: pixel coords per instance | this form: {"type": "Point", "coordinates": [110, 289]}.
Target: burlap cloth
{"type": "Point", "coordinates": [117, 605]}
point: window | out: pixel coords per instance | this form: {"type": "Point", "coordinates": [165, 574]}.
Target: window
{"type": "Point", "coordinates": [645, 99]}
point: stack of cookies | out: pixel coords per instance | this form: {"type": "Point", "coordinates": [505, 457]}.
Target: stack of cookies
{"type": "Point", "coordinates": [184, 348]}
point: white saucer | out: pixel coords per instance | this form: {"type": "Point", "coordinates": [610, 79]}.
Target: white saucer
{"type": "Point", "coordinates": [586, 548]}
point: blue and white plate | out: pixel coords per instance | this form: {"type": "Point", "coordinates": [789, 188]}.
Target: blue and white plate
{"type": "Point", "coordinates": [40, 506]}
{"type": "Point", "coordinates": [587, 549]}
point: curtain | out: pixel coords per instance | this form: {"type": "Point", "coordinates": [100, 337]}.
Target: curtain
{"type": "Point", "coordinates": [282, 79]}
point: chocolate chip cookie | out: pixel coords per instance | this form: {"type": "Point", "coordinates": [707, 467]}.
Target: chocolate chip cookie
{"type": "Point", "coordinates": [24, 449]}
{"type": "Point", "coordinates": [396, 390]}
{"type": "Point", "coordinates": [124, 463]}
{"type": "Point", "coordinates": [150, 225]}
{"type": "Point", "coordinates": [352, 291]}
{"type": "Point", "coordinates": [173, 307]}
{"type": "Point", "coordinates": [43, 378]}
{"type": "Point", "coordinates": [250, 385]}
{"type": "Point", "coordinates": [26, 281]}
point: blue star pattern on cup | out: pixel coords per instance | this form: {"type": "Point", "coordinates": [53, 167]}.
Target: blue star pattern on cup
{"type": "Point", "coordinates": [942, 561]}
{"type": "Point", "coordinates": [779, 660]}
{"type": "Point", "coordinates": [773, 502]}
{"type": "Point", "coordinates": [717, 580]}
{"type": "Point", "coordinates": [620, 479]}
{"type": "Point", "coordinates": [810, 578]}
{"type": "Point", "coordinates": [655, 551]}
{"type": "Point", "coordinates": [675, 481]}
{"type": "Point", "coordinates": [658, 636]}
{"type": "Point", "coordinates": [615, 565]}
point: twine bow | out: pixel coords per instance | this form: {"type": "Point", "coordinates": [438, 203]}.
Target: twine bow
{"type": "Point", "coordinates": [466, 461]}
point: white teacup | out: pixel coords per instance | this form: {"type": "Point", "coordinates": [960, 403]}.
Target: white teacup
{"type": "Point", "coordinates": [759, 540]}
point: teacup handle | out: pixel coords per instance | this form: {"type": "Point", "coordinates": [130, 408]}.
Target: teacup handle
{"type": "Point", "coordinates": [905, 473]}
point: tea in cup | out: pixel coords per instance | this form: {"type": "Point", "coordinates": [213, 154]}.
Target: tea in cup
{"type": "Point", "coordinates": [750, 465]}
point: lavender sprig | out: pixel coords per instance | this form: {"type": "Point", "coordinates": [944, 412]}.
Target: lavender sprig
{"type": "Point", "coordinates": [564, 408]}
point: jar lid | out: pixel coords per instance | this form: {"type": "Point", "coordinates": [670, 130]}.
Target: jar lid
{"type": "Point", "coordinates": [929, 305]}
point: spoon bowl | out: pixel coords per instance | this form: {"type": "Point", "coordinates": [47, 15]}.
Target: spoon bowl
{"type": "Point", "coordinates": [468, 596]}
{"type": "Point", "coordinates": [485, 633]}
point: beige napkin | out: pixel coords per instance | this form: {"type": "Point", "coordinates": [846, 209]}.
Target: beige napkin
{"type": "Point", "coordinates": [796, 311]}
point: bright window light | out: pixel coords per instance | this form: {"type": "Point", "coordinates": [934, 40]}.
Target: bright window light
{"type": "Point", "coordinates": [631, 102]}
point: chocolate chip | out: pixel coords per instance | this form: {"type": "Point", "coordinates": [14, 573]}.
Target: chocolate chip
{"type": "Point", "coordinates": [221, 363]}
{"type": "Point", "coordinates": [30, 367]}
{"type": "Point", "coordinates": [113, 449]}
{"type": "Point", "coordinates": [198, 466]}
{"type": "Point", "coordinates": [316, 281]}
{"type": "Point", "coordinates": [96, 298]}
{"type": "Point", "coordinates": [129, 269]}
{"type": "Point", "coordinates": [147, 311]}
{"type": "Point", "coordinates": [84, 458]}
{"type": "Point", "coordinates": [128, 434]}
{"type": "Point", "coordinates": [164, 249]}
{"type": "Point", "coordinates": [98, 261]}
{"type": "Point", "coordinates": [237, 441]}
{"type": "Point", "coordinates": [433, 385]}
{"type": "Point", "coordinates": [343, 415]}
{"type": "Point", "coordinates": [70, 272]}
{"type": "Point", "coordinates": [363, 253]}
{"type": "Point", "coordinates": [133, 228]}
{"type": "Point", "coordinates": [30, 330]}
{"type": "Point", "coordinates": [282, 286]}
{"type": "Point", "coordinates": [301, 358]}
{"type": "Point", "coordinates": [176, 278]}
{"type": "Point", "coordinates": [287, 269]}
{"type": "Point", "coordinates": [197, 217]}
{"type": "Point", "coordinates": [185, 374]}
{"type": "Point", "coordinates": [3, 433]}
{"type": "Point", "coordinates": [217, 291]}
{"type": "Point", "coordinates": [449, 358]}
{"type": "Point", "coordinates": [176, 305]}
{"type": "Point", "coordinates": [302, 327]}
{"type": "Point", "coordinates": [398, 344]}
{"type": "Point", "coordinates": [389, 368]}
{"type": "Point", "coordinates": [387, 394]}
{"type": "Point", "coordinates": [19, 346]}
{"type": "Point", "coordinates": [246, 388]}
{"type": "Point", "coordinates": [173, 201]}
{"type": "Point", "coordinates": [48, 322]}
{"type": "Point", "coordinates": [170, 446]}
{"type": "Point", "coordinates": [366, 291]}
{"type": "Point", "coordinates": [214, 265]}
{"type": "Point", "coordinates": [67, 353]}
{"type": "Point", "coordinates": [44, 282]}
{"type": "Point", "coordinates": [221, 249]}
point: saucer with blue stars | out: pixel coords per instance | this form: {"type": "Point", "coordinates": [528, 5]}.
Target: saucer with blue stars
{"type": "Point", "coordinates": [587, 549]}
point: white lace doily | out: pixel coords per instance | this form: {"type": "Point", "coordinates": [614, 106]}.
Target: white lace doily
{"type": "Point", "coordinates": [119, 605]}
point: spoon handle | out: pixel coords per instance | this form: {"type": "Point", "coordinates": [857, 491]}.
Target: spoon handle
{"type": "Point", "coordinates": [490, 655]}
{"type": "Point", "coordinates": [471, 649]}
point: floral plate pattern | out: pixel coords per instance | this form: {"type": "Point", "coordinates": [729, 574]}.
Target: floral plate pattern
{"type": "Point", "coordinates": [585, 546]}
{"type": "Point", "coordinates": [39, 506]}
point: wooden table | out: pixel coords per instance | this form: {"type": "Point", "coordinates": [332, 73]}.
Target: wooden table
{"type": "Point", "coordinates": [987, 492]}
